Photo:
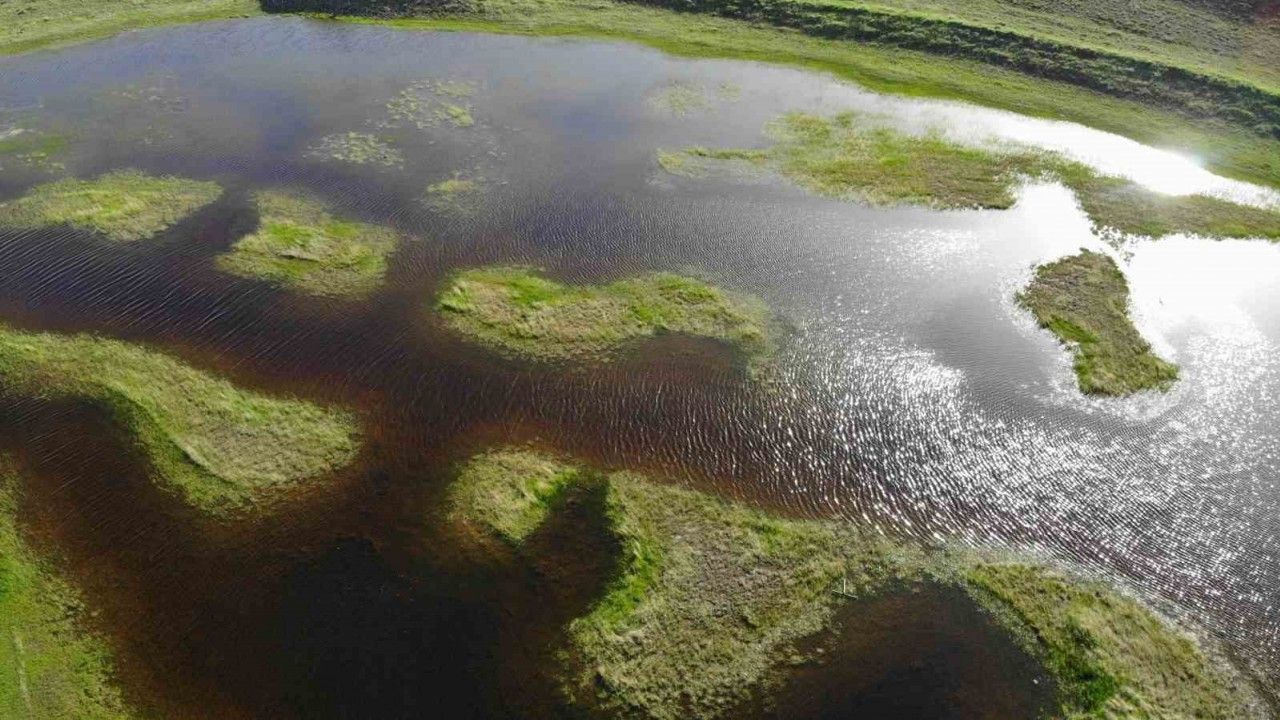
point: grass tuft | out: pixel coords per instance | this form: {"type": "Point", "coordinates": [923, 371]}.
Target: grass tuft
{"type": "Point", "coordinates": [1084, 300]}
{"type": "Point", "coordinates": [125, 205]}
{"type": "Point", "coordinates": [223, 449]}
{"type": "Point", "coordinates": [518, 311]}
{"type": "Point", "coordinates": [299, 244]}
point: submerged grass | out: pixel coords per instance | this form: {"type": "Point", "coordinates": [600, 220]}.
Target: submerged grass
{"type": "Point", "coordinates": [516, 310]}
{"type": "Point", "coordinates": [222, 449]}
{"type": "Point", "coordinates": [1084, 300]}
{"type": "Point", "coordinates": [461, 194]}
{"type": "Point", "coordinates": [710, 600]}
{"type": "Point", "coordinates": [301, 245]}
{"type": "Point", "coordinates": [33, 149]}
{"type": "Point", "coordinates": [51, 666]}
{"type": "Point", "coordinates": [357, 148]}
{"type": "Point", "coordinates": [848, 157]}
{"type": "Point", "coordinates": [125, 205]}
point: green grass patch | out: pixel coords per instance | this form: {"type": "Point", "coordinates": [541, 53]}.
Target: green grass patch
{"type": "Point", "coordinates": [222, 449]}
{"type": "Point", "coordinates": [51, 666]}
{"type": "Point", "coordinates": [301, 245]}
{"type": "Point", "coordinates": [125, 205]}
{"type": "Point", "coordinates": [510, 492]}
{"type": "Point", "coordinates": [1084, 300]}
{"type": "Point", "coordinates": [849, 157]}
{"type": "Point", "coordinates": [710, 601]}
{"type": "Point", "coordinates": [709, 597]}
{"type": "Point", "coordinates": [29, 24]}
{"type": "Point", "coordinates": [357, 148]}
{"type": "Point", "coordinates": [1112, 657]}
{"type": "Point", "coordinates": [518, 311]}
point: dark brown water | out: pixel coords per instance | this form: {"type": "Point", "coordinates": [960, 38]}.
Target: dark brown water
{"type": "Point", "coordinates": [917, 397]}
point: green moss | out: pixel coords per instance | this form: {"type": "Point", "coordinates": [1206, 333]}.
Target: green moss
{"type": "Point", "coordinates": [518, 311]}
{"type": "Point", "coordinates": [510, 492]}
{"type": "Point", "coordinates": [223, 449]}
{"type": "Point", "coordinates": [847, 157]}
{"type": "Point", "coordinates": [125, 205]}
{"type": "Point", "coordinates": [1084, 300]}
{"type": "Point", "coordinates": [356, 148]}
{"type": "Point", "coordinates": [51, 666]}
{"type": "Point", "coordinates": [1112, 657]}
{"type": "Point", "coordinates": [301, 245]}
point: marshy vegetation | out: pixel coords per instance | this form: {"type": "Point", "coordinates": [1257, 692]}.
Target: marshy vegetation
{"type": "Point", "coordinates": [301, 245]}
{"type": "Point", "coordinates": [518, 311]}
{"type": "Point", "coordinates": [52, 666]}
{"type": "Point", "coordinates": [125, 205]}
{"type": "Point", "coordinates": [710, 600]}
{"type": "Point", "coordinates": [850, 157]}
{"type": "Point", "coordinates": [1084, 301]}
{"type": "Point", "coordinates": [357, 148]}
{"type": "Point", "coordinates": [223, 449]}
{"type": "Point", "coordinates": [460, 194]}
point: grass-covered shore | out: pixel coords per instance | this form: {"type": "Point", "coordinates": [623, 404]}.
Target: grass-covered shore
{"type": "Point", "coordinates": [1084, 300]}
{"type": "Point", "coordinates": [124, 205]}
{"type": "Point", "coordinates": [518, 311]}
{"type": "Point", "coordinates": [711, 600]}
{"type": "Point", "coordinates": [300, 244]}
{"type": "Point", "coordinates": [52, 667]}
{"type": "Point", "coordinates": [849, 157]}
{"type": "Point", "coordinates": [1226, 147]}
{"type": "Point", "coordinates": [223, 449]}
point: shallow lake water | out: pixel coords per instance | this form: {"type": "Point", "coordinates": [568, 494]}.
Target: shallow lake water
{"type": "Point", "coordinates": [916, 395]}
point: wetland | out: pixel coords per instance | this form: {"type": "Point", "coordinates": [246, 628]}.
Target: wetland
{"type": "Point", "coordinates": [350, 371]}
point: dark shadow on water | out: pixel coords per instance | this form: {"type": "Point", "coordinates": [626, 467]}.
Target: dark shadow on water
{"type": "Point", "coordinates": [920, 653]}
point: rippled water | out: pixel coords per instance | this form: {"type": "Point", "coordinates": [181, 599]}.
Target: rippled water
{"type": "Point", "coordinates": [917, 396]}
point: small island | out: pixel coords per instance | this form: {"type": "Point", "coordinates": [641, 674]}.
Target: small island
{"type": "Point", "coordinates": [520, 312]}
{"type": "Point", "coordinates": [125, 205]}
{"type": "Point", "coordinates": [222, 449]}
{"type": "Point", "coordinates": [1084, 300]}
{"type": "Point", "coordinates": [710, 600]}
{"type": "Point", "coordinates": [301, 245]}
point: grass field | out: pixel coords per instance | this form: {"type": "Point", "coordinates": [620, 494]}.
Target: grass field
{"type": "Point", "coordinates": [52, 667]}
{"type": "Point", "coordinates": [1084, 301]}
{"type": "Point", "coordinates": [30, 24]}
{"type": "Point", "coordinates": [223, 449]}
